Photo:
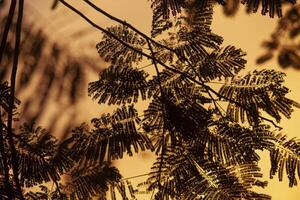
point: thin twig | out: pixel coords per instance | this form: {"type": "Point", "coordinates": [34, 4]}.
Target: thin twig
{"type": "Point", "coordinates": [12, 99]}
{"type": "Point", "coordinates": [57, 187]}
{"type": "Point", "coordinates": [7, 27]}
{"type": "Point", "coordinates": [124, 23]}
{"type": "Point", "coordinates": [156, 67]}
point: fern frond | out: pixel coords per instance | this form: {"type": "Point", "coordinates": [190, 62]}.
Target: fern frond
{"type": "Point", "coordinates": [193, 36]}
{"type": "Point", "coordinates": [198, 14]}
{"type": "Point", "coordinates": [119, 85]}
{"type": "Point", "coordinates": [45, 194]}
{"type": "Point", "coordinates": [116, 53]}
{"type": "Point", "coordinates": [285, 154]}
{"type": "Point", "coordinates": [193, 44]}
{"type": "Point", "coordinates": [184, 177]}
{"type": "Point", "coordinates": [216, 182]}
{"type": "Point", "coordinates": [171, 82]}
{"type": "Point", "coordinates": [271, 6]}
{"type": "Point", "coordinates": [225, 62]}
{"type": "Point", "coordinates": [248, 174]}
{"type": "Point", "coordinates": [259, 90]}
{"type": "Point", "coordinates": [167, 7]}
{"type": "Point", "coordinates": [227, 143]}
{"type": "Point", "coordinates": [87, 182]}
{"type": "Point", "coordinates": [111, 137]}
{"type": "Point", "coordinates": [37, 156]}
{"type": "Point", "coordinates": [159, 22]}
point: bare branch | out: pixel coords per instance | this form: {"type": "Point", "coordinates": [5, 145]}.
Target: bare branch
{"type": "Point", "coordinates": [12, 98]}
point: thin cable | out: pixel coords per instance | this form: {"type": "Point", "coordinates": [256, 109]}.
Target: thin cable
{"type": "Point", "coordinates": [133, 177]}
{"type": "Point", "coordinates": [145, 66]}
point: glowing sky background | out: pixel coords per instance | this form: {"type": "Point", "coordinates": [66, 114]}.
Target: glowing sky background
{"type": "Point", "coordinates": [243, 31]}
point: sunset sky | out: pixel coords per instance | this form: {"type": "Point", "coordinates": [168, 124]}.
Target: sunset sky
{"type": "Point", "coordinates": [244, 31]}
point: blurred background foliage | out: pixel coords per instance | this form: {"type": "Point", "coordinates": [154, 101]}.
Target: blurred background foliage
{"type": "Point", "coordinates": [51, 76]}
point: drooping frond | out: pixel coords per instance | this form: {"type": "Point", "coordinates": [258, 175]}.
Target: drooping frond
{"type": "Point", "coordinates": [285, 156]}
{"type": "Point", "coordinates": [111, 137]}
{"type": "Point", "coordinates": [167, 7]}
{"type": "Point", "coordinates": [38, 157]}
{"type": "Point", "coordinates": [220, 63]}
{"type": "Point", "coordinates": [216, 182]}
{"type": "Point", "coordinates": [61, 160]}
{"type": "Point", "coordinates": [171, 83]}
{"type": "Point", "coordinates": [258, 90]}
{"type": "Point", "coordinates": [159, 22]}
{"type": "Point", "coordinates": [119, 85]}
{"type": "Point", "coordinates": [193, 44]}
{"type": "Point", "coordinates": [270, 6]}
{"type": "Point", "coordinates": [198, 14]}
{"type": "Point", "coordinates": [45, 194]}
{"type": "Point", "coordinates": [227, 143]}
{"type": "Point", "coordinates": [87, 182]}
{"type": "Point", "coordinates": [193, 36]}
{"type": "Point", "coordinates": [115, 52]}
{"type": "Point", "coordinates": [182, 176]}
{"type": "Point", "coordinates": [248, 174]}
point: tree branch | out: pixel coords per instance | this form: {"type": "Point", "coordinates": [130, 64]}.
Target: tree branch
{"type": "Point", "coordinates": [124, 23]}
{"type": "Point", "coordinates": [7, 26]}
{"type": "Point", "coordinates": [12, 99]}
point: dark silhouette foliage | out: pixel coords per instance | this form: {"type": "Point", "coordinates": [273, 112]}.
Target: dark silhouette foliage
{"type": "Point", "coordinates": [203, 150]}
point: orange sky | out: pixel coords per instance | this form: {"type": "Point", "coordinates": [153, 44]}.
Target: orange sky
{"type": "Point", "coordinates": [243, 31]}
